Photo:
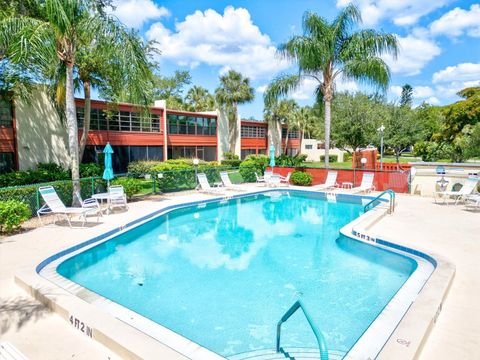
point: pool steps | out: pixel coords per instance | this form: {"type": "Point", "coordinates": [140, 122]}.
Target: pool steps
{"type": "Point", "coordinates": [292, 353]}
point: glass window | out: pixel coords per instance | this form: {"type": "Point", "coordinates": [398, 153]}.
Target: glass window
{"type": "Point", "coordinates": [309, 147]}
{"type": "Point", "coordinates": [172, 124]}
{"type": "Point", "coordinates": [138, 153]}
{"type": "Point", "coordinates": [120, 159]}
{"type": "Point", "coordinates": [262, 151]}
{"type": "Point", "coordinates": [139, 123]}
{"type": "Point", "coordinates": [113, 122]}
{"type": "Point", "coordinates": [6, 116]}
{"type": "Point", "coordinates": [191, 122]}
{"type": "Point", "coordinates": [209, 153]}
{"type": "Point", "coordinates": [245, 152]}
{"type": "Point", "coordinates": [125, 121]}
{"type": "Point", "coordinates": [262, 132]}
{"type": "Point", "coordinates": [190, 152]}
{"type": "Point", "coordinates": [155, 123]}
{"type": "Point", "coordinates": [80, 115]}
{"type": "Point", "coordinates": [212, 125]}
{"type": "Point", "coordinates": [155, 153]}
{"type": "Point", "coordinates": [6, 162]}
{"type": "Point", "coordinates": [182, 124]}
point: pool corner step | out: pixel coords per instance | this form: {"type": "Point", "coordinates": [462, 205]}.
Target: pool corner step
{"type": "Point", "coordinates": [292, 353]}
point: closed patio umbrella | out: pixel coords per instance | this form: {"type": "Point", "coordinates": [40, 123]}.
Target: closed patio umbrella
{"type": "Point", "coordinates": [108, 172]}
{"type": "Point", "coordinates": [272, 155]}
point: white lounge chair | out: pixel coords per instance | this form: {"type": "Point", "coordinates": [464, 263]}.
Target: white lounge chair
{"type": "Point", "coordinates": [265, 178]}
{"type": "Point", "coordinates": [227, 183]}
{"type": "Point", "coordinates": [366, 186]}
{"type": "Point", "coordinates": [472, 202]}
{"type": "Point", "coordinates": [330, 182]}
{"type": "Point", "coordinates": [117, 197]}
{"type": "Point", "coordinates": [54, 205]}
{"type": "Point", "coordinates": [89, 203]}
{"type": "Point", "coordinates": [204, 185]}
{"type": "Point", "coordinates": [285, 180]}
{"type": "Point", "coordinates": [467, 189]}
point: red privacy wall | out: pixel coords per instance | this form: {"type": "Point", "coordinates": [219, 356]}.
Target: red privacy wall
{"type": "Point", "coordinates": [383, 180]}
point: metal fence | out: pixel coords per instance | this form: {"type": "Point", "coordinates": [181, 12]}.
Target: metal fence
{"type": "Point", "coordinates": [147, 184]}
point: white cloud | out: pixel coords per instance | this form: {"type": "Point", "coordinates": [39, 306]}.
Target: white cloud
{"type": "Point", "coordinates": [231, 41]}
{"type": "Point", "coordinates": [401, 12]}
{"type": "Point", "coordinates": [395, 90]}
{"type": "Point", "coordinates": [422, 92]}
{"type": "Point", "coordinates": [458, 21]}
{"type": "Point", "coordinates": [415, 51]}
{"type": "Point", "coordinates": [261, 89]}
{"type": "Point", "coordinates": [459, 73]}
{"type": "Point", "coordinates": [433, 100]}
{"type": "Point", "coordinates": [134, 13]}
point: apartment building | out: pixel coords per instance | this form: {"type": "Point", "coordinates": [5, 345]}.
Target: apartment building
{"type": "Point", "coordinates": [31, 132]}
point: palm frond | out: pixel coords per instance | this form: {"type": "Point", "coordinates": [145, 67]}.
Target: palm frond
{"type": "Point", "coordinates": [368, 43]}
{"type": "Point", "coordinates": [280, 87]}
{"type": "Point", "coordinates": [372, 71]}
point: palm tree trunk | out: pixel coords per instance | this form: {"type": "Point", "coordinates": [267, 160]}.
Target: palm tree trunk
{"type": "Point", "coordinates": [72, 127]}
{"type": "Point", "coordinates": [233, 129]}
{"type": "Point", "coordinates": [285, 151]}
{"type": "Point", "coordinates": [86, 118]}
{"type": "Point", "coordinates": [327, 131]}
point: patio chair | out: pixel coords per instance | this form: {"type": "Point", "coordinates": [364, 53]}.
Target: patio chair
{"type": "Point", "coordinates": [467, 189]}
{"type": "Point", "coordinates": [366, 186]}
{"type": "Point", "coordinates": [116, 197]}
{"type": "Point", "coordinates": [54, 205]}
{"type": "Point", "coordinates": [472, 202]}
{"type": "Point", "coordinates": [204, 185]}
{"type": "Point", "coordinates": [89, 203]}
{"type": "Point", "coordinates": [263, 179]}
{"type": "Point", "coordinates": [330, 182]}
{"type": "Point", "coordinates": [227, 183]}
{"type": "Point", "coordinates": [285, 180]}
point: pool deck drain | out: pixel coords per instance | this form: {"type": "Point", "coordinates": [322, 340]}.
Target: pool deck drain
{"type": "Point", "coordinates": [26, 250]}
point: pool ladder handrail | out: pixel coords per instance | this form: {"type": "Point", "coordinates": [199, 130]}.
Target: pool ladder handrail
{"type": "Point", "coordinates": [391, 201]}
{"type": "Point", "coordinates": [322, 346]}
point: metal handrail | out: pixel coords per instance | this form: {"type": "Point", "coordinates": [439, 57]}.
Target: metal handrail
{"type": "Point", "coordinates": [391, 202]}
{"type": "Point", "coordinates": [322, 346]}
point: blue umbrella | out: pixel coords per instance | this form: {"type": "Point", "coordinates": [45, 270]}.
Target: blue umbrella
{"type": "Point", "coordinates": [108, 172]}
{"type": "Point", "coordinates": [272, 155]}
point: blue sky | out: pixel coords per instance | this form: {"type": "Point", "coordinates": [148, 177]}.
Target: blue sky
{"type": "Point", "coordinates": [439, 41]}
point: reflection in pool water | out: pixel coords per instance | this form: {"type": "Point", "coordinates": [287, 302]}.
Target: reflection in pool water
{"type": "Point", "coordinates": [223, 274]}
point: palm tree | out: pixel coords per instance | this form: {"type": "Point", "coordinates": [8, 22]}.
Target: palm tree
{"type": "Point", "coordinates": [277, 114]}
{"type": "Point", "coordinates": [303, 120]}
{"type": "Point", "coordinates": [68, 37]}
{"type": "Point", "coordinates": [330, 50]}
{"type": "Point", "coordinates": [200, 99]}
{"type": "Point", "coordinates": [234, 89]}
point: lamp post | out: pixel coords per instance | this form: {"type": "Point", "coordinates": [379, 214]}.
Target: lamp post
{"type": "Point", "coordinates": [381, 129]}
{"type": "Point", "coordinates": [363, 161]}
{"type": "Point", "coordinates": [195, 164]}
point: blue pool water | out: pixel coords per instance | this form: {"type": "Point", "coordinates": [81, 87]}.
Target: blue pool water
{"type": "Point", "coordinates": [223, 274]}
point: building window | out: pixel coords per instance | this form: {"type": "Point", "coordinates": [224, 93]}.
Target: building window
{"type": "Point", "coordinates": [308, 147]}
{"type": "Point", "coordinates": [249, 131]}
{"type": "Point", "coordinates": [292, 134]}
{"type": "Point", "coordinates": [245, 152]}
{"type": "Point", "coordinates": [119, 121]}
{"type": "Point", "coordinates": [207, 153]}
{"type": "Point", "coordinates": [7, 162]}
{"type": "Point", "coordinates": [6, 118]}
{"type": "Point", "coordinates": [191, 125]}
{"type": "Point", "coordinates": [123, 155]}
{"type": "Point", "coordinates": [320, 146]}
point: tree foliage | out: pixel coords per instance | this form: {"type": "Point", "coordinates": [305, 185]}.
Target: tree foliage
{"type": "Point", "coordinates": [328, 51]}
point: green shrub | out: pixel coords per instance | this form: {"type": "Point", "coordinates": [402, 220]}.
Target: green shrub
{"type": "Point", "coordinates": [301, 178]}
{"type": "Point", "coordinates": [139, 168]}
{"type": "Point", "coordinates": [90, 170]}
{"type": "Point", "coordinates": [347, 156]}
{"type": "Point", "coordinates": [12, 214]}
{"type": "Point", "coordinates": [288, 160]}
{"type": "Point", "coordinates": [131, 186]}
{"type": "Point", "coordinates": [230, 156]}
{"type": "Point", "coordinates": [232, 162]}
{"type": "Point", "coordinates": [50, 167]}
{"type": "Point", "coordinates": [331, 158]}
{"type": "Point", "coordinates": [45, 173]}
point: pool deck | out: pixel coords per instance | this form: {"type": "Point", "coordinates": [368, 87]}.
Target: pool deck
{"type": "Point", "coordinates": [449, 231]}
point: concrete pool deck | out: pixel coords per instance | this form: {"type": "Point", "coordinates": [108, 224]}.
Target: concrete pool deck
{"type": "Point", "coordinates": [448, 231]}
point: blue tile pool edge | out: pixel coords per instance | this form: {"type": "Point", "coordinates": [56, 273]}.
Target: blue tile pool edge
{"type": "Point", "coordinates": [137, 222]}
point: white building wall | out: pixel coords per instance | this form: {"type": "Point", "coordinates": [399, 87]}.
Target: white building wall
{"type": "Point", "coordinates": [313, 153]}
{"type": "Point", "coordinates": [41, 135]}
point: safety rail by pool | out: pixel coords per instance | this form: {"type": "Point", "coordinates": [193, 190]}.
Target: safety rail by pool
{"type": "Point", "coordinates": [322, 346]}
{"type": "Point", "coordinates": [391, 201]}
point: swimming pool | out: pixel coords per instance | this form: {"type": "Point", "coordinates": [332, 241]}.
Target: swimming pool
{"type": "Point", "coordinates": [223, 273]}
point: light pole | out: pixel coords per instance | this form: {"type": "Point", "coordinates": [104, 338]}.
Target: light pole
{"type": "Point", "coordinates": [381, 129]}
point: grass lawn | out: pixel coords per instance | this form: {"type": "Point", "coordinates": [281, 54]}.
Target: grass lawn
{"type": "Point", "coordinates": [348, 164]}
